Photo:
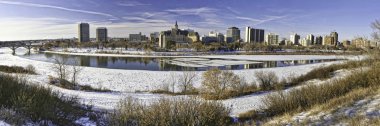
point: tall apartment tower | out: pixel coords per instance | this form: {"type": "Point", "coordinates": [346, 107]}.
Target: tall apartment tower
{"type": "Point", "coordinates": [310, 38]}
{"type": "Point", "coordinates": [319, 40]}
{"type": "Point", "coordinates": [84, 32]}
{"type": "Point", "coordinates": [233, 34]}
{"type": "Point", "coordinates": [327, 40]}
{"type": "Point", "coordinates": [295, 39]}
{"type": "Point", "coordinates": [272, 39]}
{"type": "Point", "coordinates": [101, 34]}
{"type": "Point", "coordinates": [254, 35]}
{"type": "Point", "coordinates": [334, 38]}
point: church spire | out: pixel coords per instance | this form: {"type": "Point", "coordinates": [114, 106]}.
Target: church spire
{"type": "Point", "coordinates": [176, 25]}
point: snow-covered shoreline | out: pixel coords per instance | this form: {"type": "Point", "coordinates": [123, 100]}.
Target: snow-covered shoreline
{"type": "Point", "coordinates": [92, 52]}
{"type": "Point", "coordinates": [126, 82]}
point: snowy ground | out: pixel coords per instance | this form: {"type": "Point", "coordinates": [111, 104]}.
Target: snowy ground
{"type": "Point", "coordinates": [126, 82]}
{"type": "Point", "coordinates": [2, 123]}
{"type": "Point", "coordinates": [367, 108]}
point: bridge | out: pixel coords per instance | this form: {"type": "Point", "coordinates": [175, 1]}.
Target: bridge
{"type": "Point", "coordinates": [28, 44]}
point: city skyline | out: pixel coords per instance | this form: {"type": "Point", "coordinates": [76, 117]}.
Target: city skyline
{"type": "Point", "coordinates": [42, 19]}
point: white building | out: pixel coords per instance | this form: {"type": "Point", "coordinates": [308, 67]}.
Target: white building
{"type": "Point", "coordinates": [295, 39]}
{"type": "Point", "coordinates": [310, 38]}
{"type": "Point", "coordinates": [271, 39]}
{"type": "Point", "coordinates": [305, 42]}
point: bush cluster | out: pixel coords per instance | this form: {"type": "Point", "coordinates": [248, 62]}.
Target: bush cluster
{"type": "Point", "coordinates": [69, 85]}
{"type": "Point", "coordinates": [17, 69]}
{"type": "Point", "coordinates": [310, 95]}
{"type": "Point", "coordinates": [36, 102]}
{"type": "Point", "coordinates": [175, 112]}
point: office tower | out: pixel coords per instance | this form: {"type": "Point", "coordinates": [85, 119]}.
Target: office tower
{"type": "Point", "coordinates": [254, 35]}
{"type": "Point", "coordinates": [84, 32]}
{"type": "Point", "coordinates": [327, 40]}
{"type": "Point", "coordinates": [233, 34]}
{"type": "Point", "coordinates": [310, 38]}
{"type": "Point", "coordinates": [272, 39]}
{"type": "Point", "coordinates": [319, 40]}
{"type": "Point", "coordinates": [154, 37]}
{"type": "Point", "coordinates": [305, 42]}
{"type": "Point", "coordinates": [101, 34]}
{"type": "Point", "coordinates": [295, 39]}
{"type": "Point", "coordinates": [334, 38]}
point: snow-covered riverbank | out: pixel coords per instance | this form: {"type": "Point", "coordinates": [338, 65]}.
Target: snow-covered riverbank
{"type": "Point", "coordinates": [126, 82]}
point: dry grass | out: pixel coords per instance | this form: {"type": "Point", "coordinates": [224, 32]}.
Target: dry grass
{"type": "Point", "coordinates": [37, 103]}
{"type": "Point", "coordinates": [17, 69]}
{"type": "Point", "coordinates": [346, 90]}
{"type": "Point", "coordinates": [165, 112]}
{"type": "Point", "coordinates": [331, 106]}
{"type": "Point", "coordinates": [68, 85]}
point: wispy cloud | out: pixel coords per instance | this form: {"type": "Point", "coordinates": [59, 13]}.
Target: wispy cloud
{"type": "Point", "coordinates": [256, 21]}
{"type": "Point", "coordinates": [20, 28]}
{"type": "Point", "coordinates": [57, 8]}
{"type": "Point", "coordinates": [144, 20]}
{"type": "Point", "coordinates": [209, 15]}
{"type": "Point", "coordinates": [233, 10]}
{"type": "Point", "coordinates": [132, 3]}
{"type": "Point", "coordinates": [192, 11]}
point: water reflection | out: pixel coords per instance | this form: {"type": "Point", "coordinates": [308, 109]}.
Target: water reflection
{"type": "Point", "coordinates": [170, 64]}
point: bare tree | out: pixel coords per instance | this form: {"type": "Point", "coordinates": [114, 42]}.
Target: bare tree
{"type": "Point", "coordinates": [186, 81]}
{"type": "Point", "coordinates": [60, 68]}
{"type": "Point", "coordinates": [376, 34]}
{"type": "Point", "coordinates": [170, 83]}
{"type": "Point", "coordinates": [76, 70]}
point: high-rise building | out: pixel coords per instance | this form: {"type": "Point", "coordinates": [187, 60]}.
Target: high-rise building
{"type": "Point", "coordinates": [101, 34]}
{"type": "Point", "coordinates": [319, 40]}
{"type": "Point", "coordinates": [310, 38]}
{"type": "Point", "coordinates": [327, 40]}
{"type": "Point", "coordinates": [295, 39]}
{"type": "Point", "coordinates": [213, 37]}
{"type": "Point", "coordinates": [254, 35]}
{"type": "Point", "coordinates": [346, 43]}
{"type": "Point", "coordinates": [154, 37]}
{"type": "Point", "coordinates": [137, 38]}
{"type": "Point", "coordinates": [219, 36]}
{"type": "Point", "coordinates": [233, 34]}
{"type": "Point", "coordinates": [84, 32]}
{"type": "Point", "coordinates": [361, 43]}
{"type": "Point", "coordinates": [334, 38]}
{"type": "Point", "coordinates": [331, 40]}
{"type": "Point", "coordinates": [305, 42]}
{"type": "Point", "coordinates": [271, 39]}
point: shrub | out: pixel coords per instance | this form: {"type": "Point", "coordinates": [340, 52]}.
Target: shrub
{"type": "Point", "coordinates": [69, 85]}
{"type": "Point", "coordinates": [217, 82]}
{"type": "Point", "coordinates": [307, 96]}
{"type": "Point", "coordinates": [31, 69]}
{"type": "Point", "coordinates": [267, 80]}
{"type": "Point", "coordinates": [165, 112]}
{"type": "Point", "coordinates": [16, 69]}
{"type": "Point", "coordinates": [38, 103]}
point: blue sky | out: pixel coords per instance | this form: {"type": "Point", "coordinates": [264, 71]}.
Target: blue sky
{"type": "Point", "coordinates": [43, 19]}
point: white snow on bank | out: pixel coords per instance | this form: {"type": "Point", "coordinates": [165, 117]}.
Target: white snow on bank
{"type": "Point", "coordinates": [126, 82]}
{"type": "Point", "coordinates": [2, 123]}
{"type": "Point", "coordinates": [134, 53]}
{"type": "Point", "coordinates": [85, 121]}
